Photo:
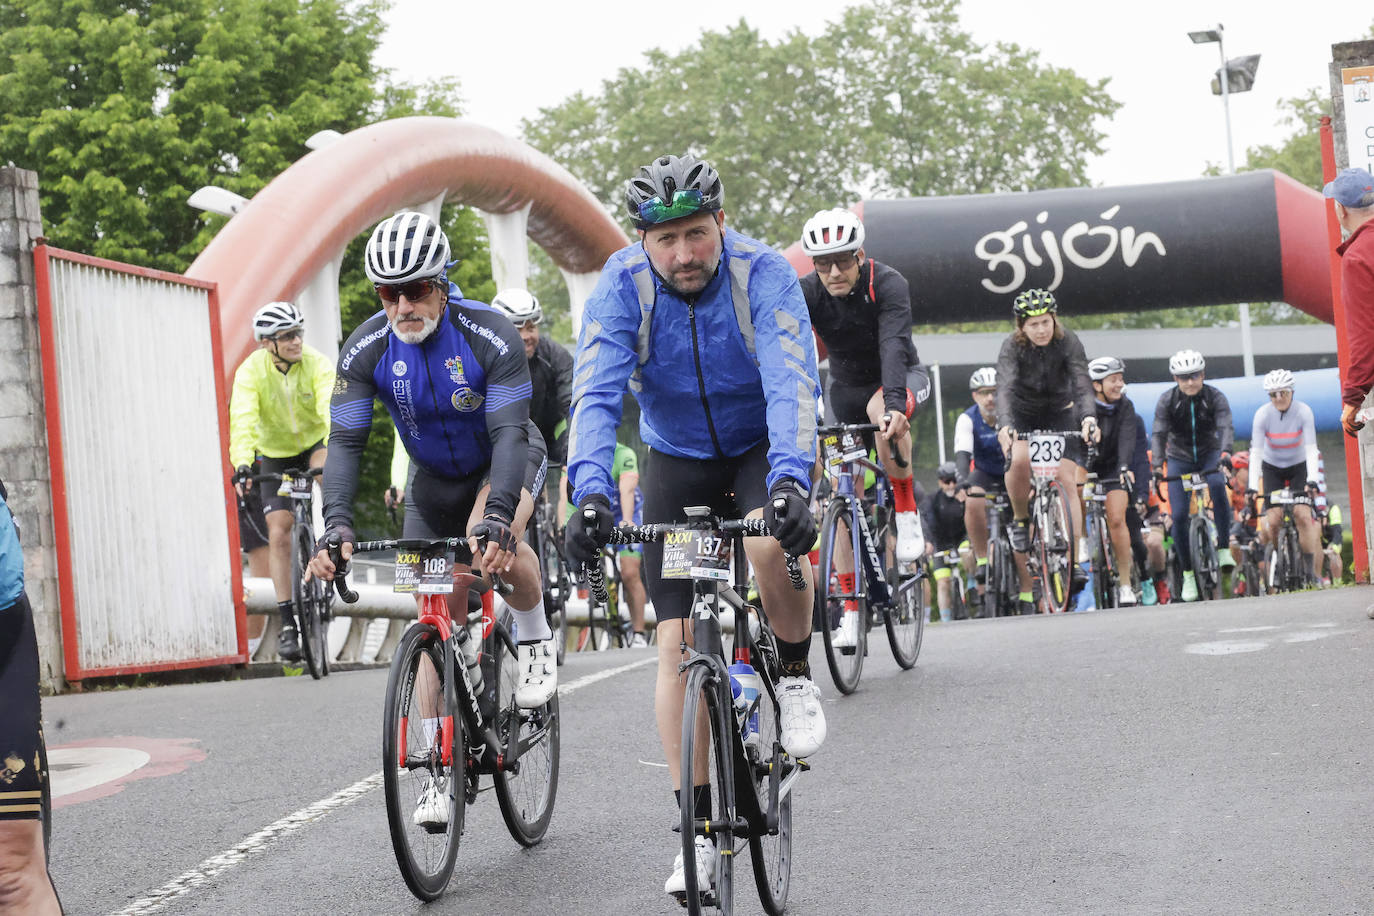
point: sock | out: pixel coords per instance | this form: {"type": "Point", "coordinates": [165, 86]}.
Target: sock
{"type": "Point", "coordinates": [531, 626]}
{"type": "Point", "coordinates": [903, 496]}
{"type": "Point", "coordinates": [792, 657]}
{"type": "Point", "coordinates": [701, 801]}
{"type": "Point", "coordinates": [253, 643]}
{"type": "Point", "coordinates": [847, 586]}
{"type": "Point", "coordinates": [1026, 596]}
{"type": "Point", "coordinates": [287, 612]}
{"type": "Point", "coordinates": [982, 561]}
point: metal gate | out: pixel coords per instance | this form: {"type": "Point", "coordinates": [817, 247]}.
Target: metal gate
{"type": "Point", "coordinates": [148, 570]}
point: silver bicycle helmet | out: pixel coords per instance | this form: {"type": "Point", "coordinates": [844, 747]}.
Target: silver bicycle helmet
{"type": "Point", "coordinates": [985, 377]}
{"type": "Point", "coordinates": [1186, 362]}
{"type": "Point", "coordinates": [519, 305]}
{"type": "Point", "coordinates": [408, 246]}
{"type": "Point", "coordinates": [1104, 366]}
{"type": "Point", "coordinates": [275, 317]}
{"type": "Point", "coordinates": [1278, 380]}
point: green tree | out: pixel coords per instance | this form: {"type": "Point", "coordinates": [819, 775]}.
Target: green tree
{"type": "Point", "coordinates": [893, 97]}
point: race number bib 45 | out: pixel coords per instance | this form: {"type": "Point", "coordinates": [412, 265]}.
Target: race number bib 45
{"type": "Point", "coordinates": [1045, 454]}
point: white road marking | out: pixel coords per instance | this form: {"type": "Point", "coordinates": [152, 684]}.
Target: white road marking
{"type": "Point", "coordinates": [1225, 647]}
{"type": "Point", "coordinates": [75, 769]}
{"type": "Point", "coordinates": [217, 865]}
{"type": "Point", "coordinates": [1247, 629]}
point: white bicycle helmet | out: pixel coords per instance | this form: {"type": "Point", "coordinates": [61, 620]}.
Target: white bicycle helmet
{"type": "Point", "coordinates": [1104, 366]}
{"type": "Point", "coordinates": [1186, 362]}
{"type": "Point", "coordinates": [1278, 380]}
{"type": "Point", "coordinates": [832, 232]}
{"type": "Point", "coordinates": [985, 377]}
{"type": "Point", "coordinates": [408, 246]}
{"type": "Point", "coordinates": [519, 305]}
{"type": "Point", "coordinates": [275, 317]}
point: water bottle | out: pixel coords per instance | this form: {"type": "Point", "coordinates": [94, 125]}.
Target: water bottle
{"type": "Point", "coordinates": [744, 688]}
{"type": "Point", "coordinates": [470, 655]}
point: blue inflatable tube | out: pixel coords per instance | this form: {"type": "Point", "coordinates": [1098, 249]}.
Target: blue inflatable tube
{"type": "Point", "coordinates": [1319, 389]}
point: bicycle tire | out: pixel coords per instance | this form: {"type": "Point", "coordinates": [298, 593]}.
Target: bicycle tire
{"type": "Point", "coordinates": [770, 854]}
{"type": "Point", "coordinates": [525, 795]}
{"type": "Point", "coordinates": [308, 598]}
{"type": "Point", "coordinates": [1206, 569]}
{"type": "Point", "coordinates": [905, 620]}
{"type": "Point", "coordinates": [1103, 574]}
{"type": "Point", "coordinates": [426, 870]}
{"type": "Point", "coordinates": [704, 697]}
{"type": "Point", "coordinates": [1052, 538]}
{"type": "Point", "coordinates": [1000, 573]}
{"type": "Point", "coordinates": [1293, 561]}
{"type": "Point", "coordinates": [846, 663]}
{"type": "Point", "coordinates": [1253, 580]}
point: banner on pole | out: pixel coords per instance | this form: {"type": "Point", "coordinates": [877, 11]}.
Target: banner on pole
{"type": "Point", "coordinates": [1357, 84]}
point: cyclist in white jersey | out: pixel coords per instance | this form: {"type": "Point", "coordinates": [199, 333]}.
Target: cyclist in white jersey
{"type": "Point", "coordinates": [1283, 445]}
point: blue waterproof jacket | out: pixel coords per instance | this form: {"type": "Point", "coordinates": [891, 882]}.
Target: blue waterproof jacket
{"type": "Point", "coordinates": [713, 377]}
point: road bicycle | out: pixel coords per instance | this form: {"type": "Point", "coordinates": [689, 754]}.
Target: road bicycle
{"type": "Point", "coordinates": [441, 733]}
{"type": "Point", "coordinates": [1002, 584]}
{"type": "Point", "coordinates": [543, 537]}
{"type": "Point", "coordinates": [607, 627]}
{"type": "Point", "coordinates": [1248, 574]}
{"type": "Point", "coordinates": [1106, 577]}
{"type": "Point", "coordinates": [1201, 534]}
{"type": "Point", "coordinates": [1288, 567]}
{"type": "Point", "coordinates": [864, 527]}
{"type": "Point", "coordinates": [958, 583]}
{"type": "Point", "coordinates": [1052, 543]}
{"type": "Point", "coordinates": [311, 601]}
{"type": "Point", "coordinates": [751, 777]}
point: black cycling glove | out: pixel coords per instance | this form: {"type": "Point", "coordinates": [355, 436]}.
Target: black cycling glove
{"type": "Point", "coordinates": [344, 534]}
{"type": "Point", "coordinates": [583, 538]}
{"type": "Point", "coordinates": [494, 530]}
{"type": "Point", "coordinates": [789, 516]}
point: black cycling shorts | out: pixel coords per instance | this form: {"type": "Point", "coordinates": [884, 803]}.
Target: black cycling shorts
{"type": "Point", "coordinates": [732, 487]}
{"type": "Point", "coordinates": [439, 507]}
{"type": "Point", "coordinates": [849, 403]}
{"type": "Point", "coordinates": [1294, 478]}
{"type": "Point", "coordinates": [23, 760]}
{"type": "Point", "coordinates": [1055, 421]}
{"type": "Point", "coordinates": [986, 482]}
{"type": "Point", "coordinates": [271, 501]}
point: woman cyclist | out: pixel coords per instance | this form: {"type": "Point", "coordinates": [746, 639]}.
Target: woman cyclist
{"type": "Point", "coordinates": [1042, 383]}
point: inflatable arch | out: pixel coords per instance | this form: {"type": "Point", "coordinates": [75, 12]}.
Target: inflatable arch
{"type": "Point", "coordinates": [1255, 237]}
{"type": "Point", "coordinates": [297, 225]}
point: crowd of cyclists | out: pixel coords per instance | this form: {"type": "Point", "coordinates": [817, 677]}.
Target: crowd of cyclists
{"type": "Point", "coordinates": [718, 339]}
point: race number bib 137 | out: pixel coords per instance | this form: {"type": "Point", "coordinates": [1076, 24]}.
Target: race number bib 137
{"type": "Point", "coordinates": [1045, 455]}
{"type": "Point", "coordinates": [425, 572]}
{"type": "Point", "coordinates": [694, 554]}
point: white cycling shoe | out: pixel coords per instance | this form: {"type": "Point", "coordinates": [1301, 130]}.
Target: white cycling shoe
{"type": "Point", "coordinates": [911, 542]}
{"type": "Point", "coordinates": [847, 633]}
{"type": "Point", "coordinates": [803, 720]}
{"type": "Point", "coordinates": [676, 885]}
{"type": "Point", "coordinates": [536, 674]}
{"type": "Point", "coordinates": [431, 812]}
{"type": "Point", "coordinates": [1125, 596]}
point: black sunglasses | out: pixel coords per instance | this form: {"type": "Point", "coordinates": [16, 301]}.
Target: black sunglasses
{"type": "Point", "coordinates": [415, 290]}
{"type": "Point", "coordinates": [286, 336]}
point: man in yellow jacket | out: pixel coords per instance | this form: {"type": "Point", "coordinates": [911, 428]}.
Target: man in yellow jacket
{"type": "Point", "coordinates": [279, 410]}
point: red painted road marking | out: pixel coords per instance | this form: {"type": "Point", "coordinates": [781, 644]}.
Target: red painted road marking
{"type": "Point", "coordinates": [83, 771]}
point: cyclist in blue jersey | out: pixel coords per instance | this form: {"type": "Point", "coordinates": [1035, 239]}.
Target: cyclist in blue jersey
{"type": "Point", "coordinates": [1193, 431]}
{"type": "Point", "coordinates": [453, 375]}
{"type": "Point", "coordinates": [710, 330]}
{"type": "Point", "coordinates": [980, 465]}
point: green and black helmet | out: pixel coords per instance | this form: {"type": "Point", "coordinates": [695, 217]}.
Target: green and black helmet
{"type": "Point", "coordinates": [1032, 302]}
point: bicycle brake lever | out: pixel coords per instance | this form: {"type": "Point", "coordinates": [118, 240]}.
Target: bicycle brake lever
{"type": "Point", "coordinates": [334, 544]}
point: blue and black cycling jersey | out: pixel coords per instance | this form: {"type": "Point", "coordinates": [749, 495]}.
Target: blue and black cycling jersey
{"type": "Point", "coordinates": [459, 400]}
{"type": "Point", "coordinates": [975, 442]}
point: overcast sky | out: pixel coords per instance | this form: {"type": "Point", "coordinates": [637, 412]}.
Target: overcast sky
{"type": "Point", "coordinates": [516, 57]}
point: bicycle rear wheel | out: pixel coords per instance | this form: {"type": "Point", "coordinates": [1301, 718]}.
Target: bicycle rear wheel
{"type": "Point", "coordinates": [530, 742]}
{"type": "Point", "coordinates": [846, 662]}
{"type": "Point", "coordinates": [555, 573]}
{"type": "Point", "coordinates": [308, 598]}
{"type": "Point", "coordinates": [423, 755]}
{"type": "Point", "coordinates": [1052, 540]}
{"type": "Point", "coordinates": [1104, 578]}
{"type": "Point", "coordinates": [906, 625]}
{"type": "Point", "coordinates": [770, 852]}
{"type": "Point", "coordinates": [1206, 569]}
{"type": "Point", "coordinates": [1001, 579]}
{"type": "Point", "coordinates": [708, 722]}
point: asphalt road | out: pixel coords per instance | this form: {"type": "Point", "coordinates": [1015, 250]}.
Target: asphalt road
{"type": "Point", "coordinates": [1209, 758]}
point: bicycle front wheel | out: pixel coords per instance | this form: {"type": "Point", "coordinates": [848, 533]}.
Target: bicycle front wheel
{"type": "Point", "coordinates": [906, 624]}
{"type": "Point", "coordinates": [1293, 560]}
{"type": "Point", "coordinates": [527, 783]}
{"type": "Point", "coordinates": [770, 851]}
{"type": "Point", "coordinates": [708, 722]}
{"type": "Point", "coordinates": [423, 755]}
{"type": "Point", "coordinates": [309, 602]}
{"type": "Point", "coordinates": [1104, 584]}
{"type": "Point", "coordinates": [1053, 543]}
{"type": "Point", "coordinates": [1206, 569]}
{"type": "Point", "coordinates": [1001, 587]}
{"type": "Point", "coordinates": [844, 611]}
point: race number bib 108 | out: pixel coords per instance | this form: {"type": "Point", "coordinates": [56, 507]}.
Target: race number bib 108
{"type": "Point", "coordinates": [1045, 455]}
{"type": "Point", "coordinates": [425, 572]}
{"type": "Point", "coordinates": [693, 554]}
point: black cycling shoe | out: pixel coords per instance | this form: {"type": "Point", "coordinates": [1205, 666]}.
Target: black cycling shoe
{"type": "Point", "coordinates": [1020, 535]}
{"type": "Point", "coordinates": [1077, 579]}
{"type": "Point", "coordinates": [289, 644]}
{"type": "Point", "coordinates": [1025, 607]}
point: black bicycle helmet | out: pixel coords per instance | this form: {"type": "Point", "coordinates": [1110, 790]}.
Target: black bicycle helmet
{"type": "Point", "coordinates": [657, 184]}
{"type": "Point", "coordinates": [946, 471]}
{"type": "Point", "coordinates": [1034, 302]}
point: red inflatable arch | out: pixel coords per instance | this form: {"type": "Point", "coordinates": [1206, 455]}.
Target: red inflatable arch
{"type": "Point", "coordinates": [302, 220]}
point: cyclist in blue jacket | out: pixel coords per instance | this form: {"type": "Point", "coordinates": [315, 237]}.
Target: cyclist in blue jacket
{"type": "Point", "coordinates": [710, 330]}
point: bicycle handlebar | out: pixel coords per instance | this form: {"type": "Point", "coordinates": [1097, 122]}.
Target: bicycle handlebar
{"type": "Point", "coordinates": [462, 554]}
{"type": "Point", "coordinates": [1066, 433]}
{"type": "Point", "coordinates": [640, 534]}
{"type": "Point", "coordinates": [860, 428]}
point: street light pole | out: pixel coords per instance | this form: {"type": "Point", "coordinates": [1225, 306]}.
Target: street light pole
{"type": "Point", "coordinates": [1247, 345]}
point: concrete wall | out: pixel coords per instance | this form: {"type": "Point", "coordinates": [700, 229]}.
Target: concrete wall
{"type": "Point", "coordinates": [23, 429]}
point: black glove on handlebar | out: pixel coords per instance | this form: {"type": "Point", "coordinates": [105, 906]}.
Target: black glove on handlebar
{"type": "Point", "coordinates": [494, 530]}
{"type": "Point", "coordinates": [583, 538]}
{"type": "Point", "coordinates": [789, 516]}
{"type": "Point", "coordinates": [242, 475]}
{"type": "Point", "coordinates": [345, 535]}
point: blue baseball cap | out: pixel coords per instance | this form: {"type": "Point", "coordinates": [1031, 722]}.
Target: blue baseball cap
{"type": "Point", "coordinates": [1350, 188]}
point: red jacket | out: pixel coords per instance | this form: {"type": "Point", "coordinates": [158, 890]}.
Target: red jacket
{"type": "Point", "coordinates": [1357, 290]}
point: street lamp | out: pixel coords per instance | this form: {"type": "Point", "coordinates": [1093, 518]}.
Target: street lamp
{"type": "Point", "coordinates": [1234, 76]}
{"type": "Point", "coordinates": [217, 200]}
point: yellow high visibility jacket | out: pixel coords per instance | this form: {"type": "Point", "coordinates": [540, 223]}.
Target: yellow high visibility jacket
{"type": "Point", "coordinates": [279, 414]}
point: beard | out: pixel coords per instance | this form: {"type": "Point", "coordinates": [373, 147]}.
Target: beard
{"type": "Point", "coordinates": [415, 337]}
